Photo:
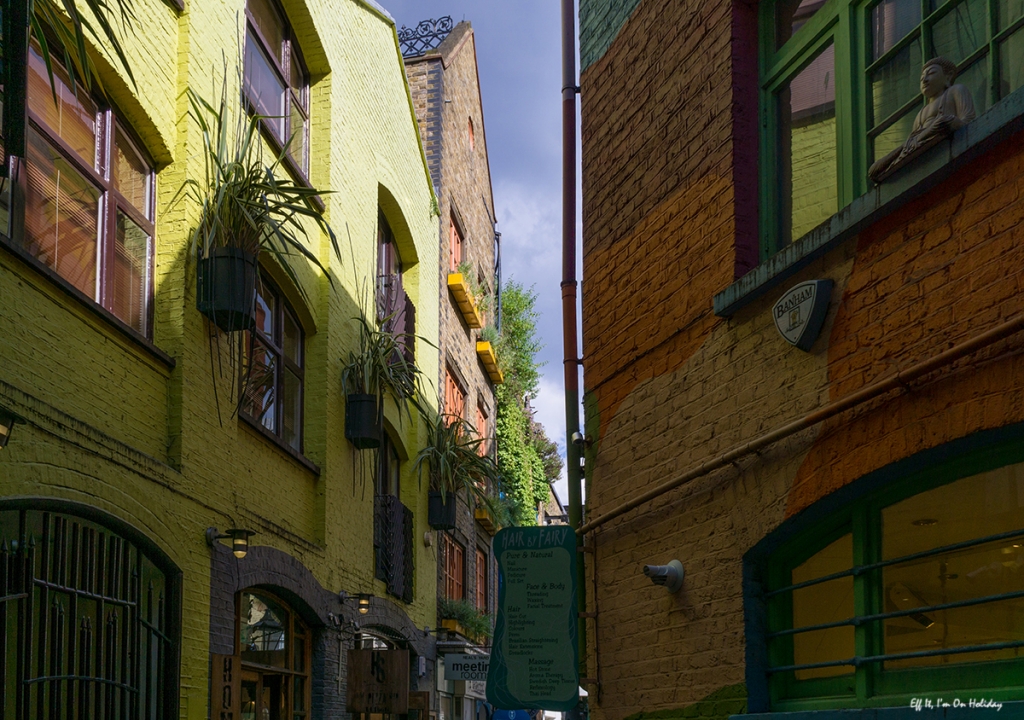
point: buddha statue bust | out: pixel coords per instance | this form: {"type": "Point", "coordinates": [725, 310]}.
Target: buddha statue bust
{"type": "Point", "coordinates": [948, 108]}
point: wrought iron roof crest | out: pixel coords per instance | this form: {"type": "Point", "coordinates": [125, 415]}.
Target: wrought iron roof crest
{"type": "Point", "coordinates": [426, 36]}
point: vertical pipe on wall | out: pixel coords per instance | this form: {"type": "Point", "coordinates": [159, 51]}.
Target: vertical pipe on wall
{"type": "Point", "coordinates": [571, 360]}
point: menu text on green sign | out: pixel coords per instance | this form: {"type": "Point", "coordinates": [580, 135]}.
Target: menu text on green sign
{"type": "Point", "coordinates": [535, 656]}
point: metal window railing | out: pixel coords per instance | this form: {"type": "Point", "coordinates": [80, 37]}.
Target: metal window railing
{"type": "Point", "coordinates": [393, 545]}
{"type": "Point", "coordinates": [861, 569]}
{"type": "Point", "coordinates": [856, 621]}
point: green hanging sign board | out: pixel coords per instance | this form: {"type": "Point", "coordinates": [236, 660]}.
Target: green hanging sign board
{"type": "Point", "coordinates": [535, 653]}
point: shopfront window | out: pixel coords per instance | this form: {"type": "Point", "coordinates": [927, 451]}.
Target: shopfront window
{"type": "Point", "coordinates": [916, 589]}
{"type": "Point", "coordinates": [274, 647]}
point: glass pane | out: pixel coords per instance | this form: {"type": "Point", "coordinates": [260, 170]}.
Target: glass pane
{"type": "Point", "coordinates": [1011, 63]}
{"type": "Point", "coordinates": [897, 82]}
{"type": "Point", "coordinates": [291, 399]}
{"type": "Point", "coordinates": [73, 118]}
{"type": "Point", "coordinates": [263, 631]}
{"type": "Point", "coordinates": [248, 704]}
{"type": "Point", "coordinates": [961, 31]}
{"type": "Point", "coordinates": [61, 216]}
{"type": "Point", "coordinates": [266, 304]}
{"type": "Point", "coordinates": [5, 203]}
{"type": "Point", "coordinates": [129, 289]}
{"type": "Point", "coordinates": [292, 340]}
{"type": "Point", "coordinates": [299, 694]}
{"type": "Point", "coordinates": [895, 135]}
{"type": "Point", "coordinates": [298, 76]}
{"type": "Point", "coordinates": [1009, 10]}
{"type": "Point", "coordinates": [823, 603]}
{"type": "Point", "coordinates": [297, 149]}
{"type": "Point", "coordinates": [264, 87]}
{"type": "Point", "coordinates": [807, 148]}
{"type": "Point", "coordinates": [260, 402]}
{"type": "Point", "coordinates": [270, 23]}
{"type": "Point", "coordinates": [977, 506]}
{"type": "Point", "coordinates": [299, 648]}
{"type": "Point", "coordinates": [891, 20]}
{"type": "Point", "coordinates": [130, 175]}
{"type": "Point", "coordinates": [790, 16]}
{"type": "Point", "coordinates": [975, 79]}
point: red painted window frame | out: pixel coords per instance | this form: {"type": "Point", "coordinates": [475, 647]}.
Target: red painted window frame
{"type": "Point", "coordinates": [481, 580]}
{"type": "Point", "coordinates": [454, 568]}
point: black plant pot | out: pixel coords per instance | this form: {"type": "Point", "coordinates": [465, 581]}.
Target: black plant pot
{"type": "Point", "coordinates": [361, 426]}
{"type": "Point", "coordinates": [226, 288]}
{"type": "Point", "coordinates": [441, 513]}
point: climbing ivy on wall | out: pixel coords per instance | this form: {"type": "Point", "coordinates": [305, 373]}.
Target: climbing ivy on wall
{"type": "Point", "coordinates": [527, 458]}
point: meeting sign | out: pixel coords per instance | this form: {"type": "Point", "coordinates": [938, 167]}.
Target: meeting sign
{"type": "Point", "coordinates": [535, 656]}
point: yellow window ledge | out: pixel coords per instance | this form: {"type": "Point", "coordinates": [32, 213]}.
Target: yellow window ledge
{"type": "Point", "coordinates": [464, 297]}
{"type": "Point", "coordinates": [486, 352]}
{"type": "Point", "coordinates": [486, 519]}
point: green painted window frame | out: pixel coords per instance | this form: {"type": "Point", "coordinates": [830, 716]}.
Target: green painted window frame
{"type": "Point", "coordinates": [869, 685]}
{"type": "Point", "coordinates": [847, 24]}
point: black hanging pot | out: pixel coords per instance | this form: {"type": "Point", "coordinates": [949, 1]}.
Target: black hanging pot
{"type": "Point", "coordinates": [441, 513]}
{"type": "Point", "coordinates": [226, 288]}
{"type": "Point", "coordinates": [361, 426]}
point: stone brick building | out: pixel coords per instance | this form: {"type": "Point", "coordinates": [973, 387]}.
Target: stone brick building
{"type": "Point", "coordinates": [441, 64]}
{"type": "Point", "coordinates": [132, 441]}
{"type": "Point", "coordinates": [850, 518]}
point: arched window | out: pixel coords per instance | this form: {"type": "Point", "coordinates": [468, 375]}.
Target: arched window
{"type": "Point", "coordinates": [87, 623]}
{"type": "Point", "coordinates": [274, 647]}
{"type": "Point", "coordinates": [916, 589]}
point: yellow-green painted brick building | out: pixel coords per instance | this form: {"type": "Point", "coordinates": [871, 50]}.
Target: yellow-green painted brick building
{"type": "Point", "coordinates": [133, 441]}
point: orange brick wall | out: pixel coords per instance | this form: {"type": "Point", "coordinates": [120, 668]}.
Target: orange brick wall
{"type": "Point", "coordinates": [668, 385]}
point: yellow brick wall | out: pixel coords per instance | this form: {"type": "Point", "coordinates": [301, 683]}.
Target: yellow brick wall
{"type": "Point", "coordinates": [111, 424]}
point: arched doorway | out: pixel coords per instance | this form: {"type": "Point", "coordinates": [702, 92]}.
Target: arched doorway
{"type": "Point", "coordinates": [274, 645]}
{"type": "Point", "coordinates": [88, 614]}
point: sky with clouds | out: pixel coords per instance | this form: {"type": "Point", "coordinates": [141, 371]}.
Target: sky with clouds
{"type": "Point", "coordinates": [519, 58]}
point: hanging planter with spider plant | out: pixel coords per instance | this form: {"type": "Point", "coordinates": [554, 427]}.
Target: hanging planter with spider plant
{"type": "Point", "coordinates": [378, 368]}
{"type": "Point", "coordinates": [453, 463]}
{"type": "Point", "coordinates": [247, 208]}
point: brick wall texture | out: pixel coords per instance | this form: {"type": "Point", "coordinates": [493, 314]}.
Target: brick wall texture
{"type": "Point", "coordinates": [447, 98]}
{"type": "Point", "coordinates": [669, 134]}
{"type": "Point", "coordinates": [146, 433]}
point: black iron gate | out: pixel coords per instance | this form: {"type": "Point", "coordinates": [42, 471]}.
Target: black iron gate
{"type": "Point", "coordinates": [84, 622]}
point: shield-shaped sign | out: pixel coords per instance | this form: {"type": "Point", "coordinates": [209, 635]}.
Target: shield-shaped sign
{"type": "Point", "coordinates": [800, 313]}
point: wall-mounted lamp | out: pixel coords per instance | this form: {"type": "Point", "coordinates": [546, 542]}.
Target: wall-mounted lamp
{"type": "Point", "coordinates": [239, 539]}
{"type": "Point", "coordinates": [668, 576]}
{"type": "Point", "coordinates": [362, 601]}
{"type": "Point", "coordinates": [7, 421]}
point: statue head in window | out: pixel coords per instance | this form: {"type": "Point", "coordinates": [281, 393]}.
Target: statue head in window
{"type": "Point", "coordinates": [948, 107]}
{"type": "Point", "coordinates": [936, 76]}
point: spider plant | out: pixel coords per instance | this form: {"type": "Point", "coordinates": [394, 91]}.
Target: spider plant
{"type": "Point", "coordinates": [452, 460]}
{"type": "Point", "coordinates": [245, 203]}
{"type": "Point", "coordinates": [380, 366]}
{"type": "Point", "coordinates": [68, 21]}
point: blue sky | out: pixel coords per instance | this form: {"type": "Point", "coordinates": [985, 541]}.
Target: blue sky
{"type": "Point", "coordinates": [519, 58]}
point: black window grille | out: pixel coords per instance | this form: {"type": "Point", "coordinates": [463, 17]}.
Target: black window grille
{"type": "Point", "coordinates": [392, 544]}
{"type": "Point", "coordinates": [86, 623]}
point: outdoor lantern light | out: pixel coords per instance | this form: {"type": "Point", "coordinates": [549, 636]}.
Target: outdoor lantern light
{"type": "Point", "coordinates": [239, 539]}
{"type": "Point", "coordinates": [668, 576]}
{"type": "Point", "coordinates": [7, 420]}
{"type": "Point", "coordinates": [362, 600]}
